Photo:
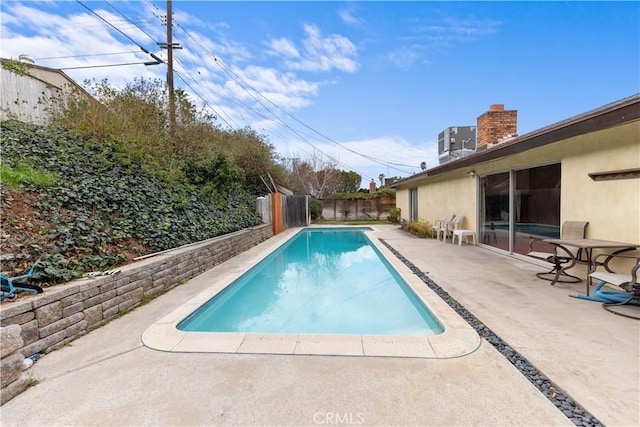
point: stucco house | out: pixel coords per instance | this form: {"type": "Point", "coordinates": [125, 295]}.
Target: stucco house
{"type": "Point", "coordinates": [29, 91]}
{"type": "Point", "coordinates": [585, 168]}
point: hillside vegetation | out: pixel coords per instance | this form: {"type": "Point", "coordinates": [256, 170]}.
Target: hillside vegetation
{"type": "Point", "coordinates": [110, 181]}
{"type": "Point", "coordinates": [80, 208]}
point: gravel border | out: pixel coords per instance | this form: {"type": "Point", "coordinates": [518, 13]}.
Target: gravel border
{"type": "Point", "coordinates": [576, 414]}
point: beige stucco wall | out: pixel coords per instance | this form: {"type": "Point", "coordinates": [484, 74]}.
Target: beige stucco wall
{"type": "Point", "coordinates": [402, 202]}
{"type": "Point", "coordinates": [454, 193]}
{"type": "Point", "coordinates": [611, 207]}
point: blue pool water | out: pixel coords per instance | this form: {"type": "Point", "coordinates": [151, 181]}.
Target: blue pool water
{"type": "Point", "coordinates": [327, 281]}
{"type": "Point", "coordinates": [543, 230]}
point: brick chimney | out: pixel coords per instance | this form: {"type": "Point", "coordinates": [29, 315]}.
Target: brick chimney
{"type": "Point", "coordinates": [372, 187]}
{"type": "Point", "coordinates": [496, 125]}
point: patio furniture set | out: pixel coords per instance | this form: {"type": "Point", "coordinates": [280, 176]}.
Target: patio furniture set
{"type": "Point", "coordinates": [573, 247]}
{"type": "Point", "coordinates": [564, 253]}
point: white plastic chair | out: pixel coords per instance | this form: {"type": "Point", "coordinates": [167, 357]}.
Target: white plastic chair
{"type": "Point", "coordinates": [437, 224]}
{"type": "Point", "coordinates": [448, 228]}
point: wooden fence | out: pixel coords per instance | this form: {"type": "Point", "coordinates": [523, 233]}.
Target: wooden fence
{"type": "Point", "coordinates": [283, 211]}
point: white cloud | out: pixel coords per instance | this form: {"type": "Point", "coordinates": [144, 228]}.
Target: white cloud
{"type": "Point", "coordinates": [284, 47]}
{"type": "Point", "coordinates": [405, 57]}
{"type": "Point", "coordinates": [347, 16]}
{"type": "Point", "coordinates": [318, 52]}
{"type": "Point", "coordinates": [454, 30]}
{"type": "Point", "coordinates": [283, 89]}
{"type": "Point", "coordinates": [440, 33]}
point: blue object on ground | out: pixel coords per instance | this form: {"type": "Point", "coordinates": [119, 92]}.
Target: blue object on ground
{"type": "Point", "coordinates": [8, 285]}
{"type": "Point", "coordinates": [607, 297]}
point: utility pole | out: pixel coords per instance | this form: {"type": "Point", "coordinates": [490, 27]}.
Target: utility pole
{"type": "Point", "coordinates": [172, 98]}
{"type": "Point", "coordinates": [169, 45]}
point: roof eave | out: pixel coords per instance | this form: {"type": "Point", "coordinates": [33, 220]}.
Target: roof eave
{"type": "Point", "coordinates": [610, 115]}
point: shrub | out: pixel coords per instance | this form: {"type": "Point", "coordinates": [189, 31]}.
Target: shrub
{"type": "Point", "coordinates": [315, 206]}
{"type": "Point", "coordinates": [385, 192]}
{"type": "Point", "coordinates": [419, 228]}
{"type": "Point", "coordinates": [394, 214]}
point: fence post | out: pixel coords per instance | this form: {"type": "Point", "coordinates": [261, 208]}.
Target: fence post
{"type": "Point", "coordinates": [276, 213]}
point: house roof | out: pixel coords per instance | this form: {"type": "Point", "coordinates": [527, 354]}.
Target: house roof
{"type": "Point", "coordinates": [43, 79]}
{"type": "Point", "coordinates": [613, 114]}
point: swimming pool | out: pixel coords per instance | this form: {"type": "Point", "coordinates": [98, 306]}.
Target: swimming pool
{"type": "Point", "coordinates": [457, 339]}
{"type": "Point", "coordinates": [325, 281]}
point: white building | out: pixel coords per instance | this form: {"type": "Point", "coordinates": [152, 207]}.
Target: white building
{"type": "Point", "coordinates": [28, 92]}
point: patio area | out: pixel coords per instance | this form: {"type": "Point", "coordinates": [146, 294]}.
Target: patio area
{"type": "Point", "coordinates": [108, 377]}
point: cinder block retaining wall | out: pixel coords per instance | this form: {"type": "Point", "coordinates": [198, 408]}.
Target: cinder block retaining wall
{"type": "Point", "coordinates": [47, 321]}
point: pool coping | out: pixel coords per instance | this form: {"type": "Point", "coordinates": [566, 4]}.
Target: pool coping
{"type": "Point", "coordinates": [457, 340]}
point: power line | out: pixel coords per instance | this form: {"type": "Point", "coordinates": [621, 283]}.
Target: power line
{"type": "Point", "coordinates": [242, 84]}
{"type": "Point", "coordinates": [108, 23]}
{"type": "Point", "coordinates": [130, 21]}
{"type": "Point", "coordinates": [295, 132]}
{"type": "Point", "coordinates": [86, 55]}
{"type": "Point", "coordinates": [238, 78]}
{"type": "Point", "coordinates": [286, 127]}
{"type": "Point", "coordinates": [203, 100]}
{"type": "Point", "coordinates": [373, 159]}
{"type": "Point", "coordinates": [158, 60]}
{"type": "Point", "coordinates": [206, 91]}
{"type": "Point", "coordinates": [109, 65]}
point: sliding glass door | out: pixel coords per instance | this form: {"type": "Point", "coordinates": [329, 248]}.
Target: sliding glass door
{"type": "Point", "coordinates": [519, 204]}
{"type": "Point", "coordinates": [494, 218]}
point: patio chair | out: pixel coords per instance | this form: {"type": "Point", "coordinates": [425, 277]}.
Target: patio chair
{"type": "Point", "coordinates": [629, 283]}
{"type": "Point", "coordinates": [9, 285]}
{"type": "Point", "coordinates": [448, 228]}
{"type": "Point", "coordinates": [562, 258]}
{"type": "Point", "coordinates": [437, 224]}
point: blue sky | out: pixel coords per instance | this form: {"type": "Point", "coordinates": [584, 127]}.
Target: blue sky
{"type": "Point", "coordinates": [368, 85]}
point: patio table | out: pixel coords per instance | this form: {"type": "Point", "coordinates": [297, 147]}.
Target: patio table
{"type": "Point", "coordinates": [589, 245]}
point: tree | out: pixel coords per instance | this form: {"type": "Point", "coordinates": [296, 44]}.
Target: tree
{"type": "Point", "coordinates": [314, 176]}
{"type": "Point", "coordinates": [256, 157]}
{"type": "Point", "coordinates": [349, 182]}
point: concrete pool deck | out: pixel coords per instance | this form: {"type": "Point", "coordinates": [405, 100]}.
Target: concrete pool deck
{"type": "Point", "coordinates": [108, 377]}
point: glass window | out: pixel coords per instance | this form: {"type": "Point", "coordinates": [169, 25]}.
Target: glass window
{"type": "Point", "coordinates": [413, 204]}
